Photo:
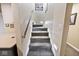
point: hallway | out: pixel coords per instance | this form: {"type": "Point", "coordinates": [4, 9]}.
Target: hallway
{"type": "Point", "coordinates": [38, 29]}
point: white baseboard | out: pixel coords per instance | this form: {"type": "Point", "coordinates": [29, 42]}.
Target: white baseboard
{"type": "Point", "coordinates": [53, 50]}
{"type": "Point", "coordinates": [27, 49]}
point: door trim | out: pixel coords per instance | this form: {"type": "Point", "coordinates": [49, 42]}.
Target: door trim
{"type": "Point", "coordinates": [66, 28]}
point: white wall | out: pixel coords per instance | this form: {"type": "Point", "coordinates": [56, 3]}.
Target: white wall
{"type": "Point", "coordinates": [49, 19]}
{"type": "Point", "coordinates": [39, 15]}
{"type": "Point", "coordinates": [58, 24]}
{"type": "Point", "coordinates": [25, 10]}
{"type": "Point", "coordinates": [22, 13]}
{"type": "Point", "coordinates": [17, 27]}
{"type": "Point", "coordinates": [50, 10]}
{"type": "Point", "coordinates": [7, 17]}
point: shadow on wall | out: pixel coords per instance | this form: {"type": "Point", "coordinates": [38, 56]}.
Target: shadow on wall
{"type": "Point", "coordinates": [0, 7]}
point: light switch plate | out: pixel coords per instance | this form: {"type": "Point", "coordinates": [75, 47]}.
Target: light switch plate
{"type": "Point", "coordinates": [6, 25]}
{"type": "Point", "coordinates": [11, 25]}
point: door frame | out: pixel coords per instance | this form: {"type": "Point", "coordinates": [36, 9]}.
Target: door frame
{"type": "Point", "coordinates": [66, 28]}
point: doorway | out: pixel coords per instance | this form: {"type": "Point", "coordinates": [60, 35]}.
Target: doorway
{"type": "Point", "coordinates": [70, 40]}
{"type": "Point", "coordinates": [66, 29]}
{"type": "Point", "coordinates": [73, 38]}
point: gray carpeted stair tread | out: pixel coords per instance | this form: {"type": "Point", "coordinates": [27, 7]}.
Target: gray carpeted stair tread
{"type": "Point", "coordinates": [40, 51]}
{"type": "Point", "coordinates": [40, 34]}
{"type": "Point", "coordinates": [39, 29]}
{"type": "Point", "coordinates": [40, 42]}
{"type": "Point", "coordinates": [37, 25]}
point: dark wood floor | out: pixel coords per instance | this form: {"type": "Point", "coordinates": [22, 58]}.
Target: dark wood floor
{"type": "Point", "coordinates": [9, 51]}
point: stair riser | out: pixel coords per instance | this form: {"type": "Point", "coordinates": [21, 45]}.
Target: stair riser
{"type": "Point", "coordinates": [39, 29]}
{"type": "Point", "coordinates": [39, 34]}
{"type": "Point", "coordinates": [37, 25]}
{"type": "Point", "coordinates": [40, 40]}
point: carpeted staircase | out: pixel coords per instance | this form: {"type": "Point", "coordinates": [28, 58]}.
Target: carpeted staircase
{"type": "Point", "coordinates": [40, 42]}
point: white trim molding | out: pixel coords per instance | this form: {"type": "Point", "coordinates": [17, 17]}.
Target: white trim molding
{"type": "Point", "coordinates": [53, 50]}
{"type": "Point", "coordinates": [72, 46]}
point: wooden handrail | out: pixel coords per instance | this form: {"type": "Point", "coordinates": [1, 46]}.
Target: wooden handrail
{"type": "Point", "coordinates": [27, 26]}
